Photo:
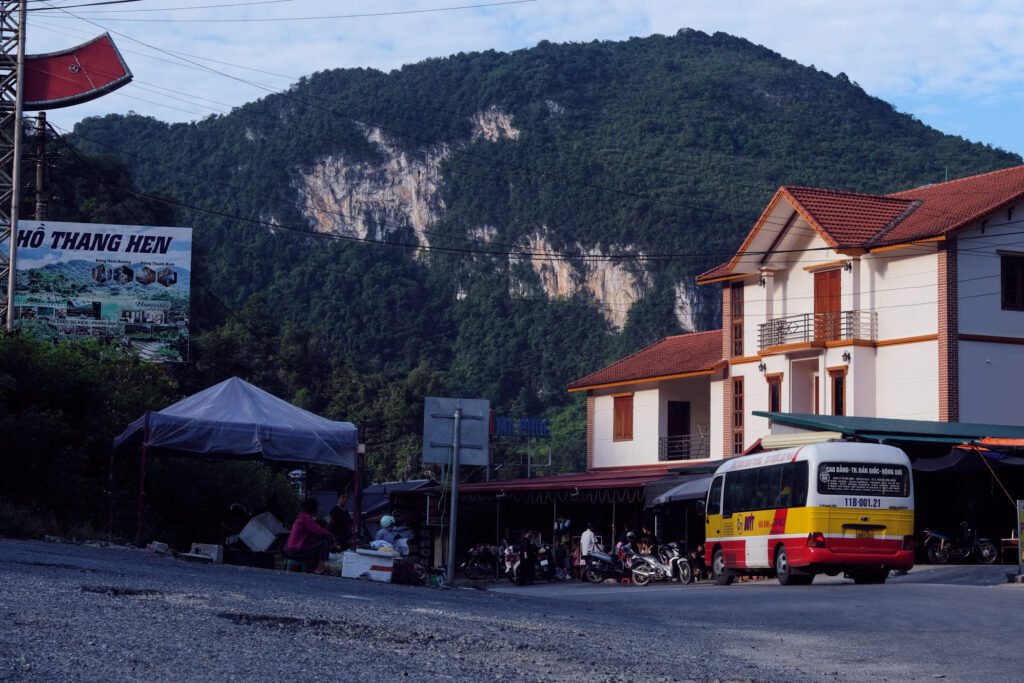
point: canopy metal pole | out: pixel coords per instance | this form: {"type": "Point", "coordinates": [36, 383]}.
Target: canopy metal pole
{"type": "Point", "coordinates": [357, 491]}
{"type": "Point", "coordinates": [142, 490]}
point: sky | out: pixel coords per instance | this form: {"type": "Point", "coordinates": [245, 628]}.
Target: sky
{"type": "Point", "coordinates": [956, 65]}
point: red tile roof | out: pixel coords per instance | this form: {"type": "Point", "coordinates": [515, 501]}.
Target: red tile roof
{"type": "Point", "coordinates": [675, 355]}
{"type": "Point", "coordinates": [851, 220]}
{"type": "Point", "coordinates": [844, 218]}
{"type": "Point", "coordinates": [946, 207]}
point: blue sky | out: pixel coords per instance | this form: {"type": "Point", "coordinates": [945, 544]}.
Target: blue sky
{"type": "Point", "coordinates": [957, 65]}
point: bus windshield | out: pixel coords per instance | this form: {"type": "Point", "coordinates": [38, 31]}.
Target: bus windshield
{"type": "Point", "coordinates": [863, 479]}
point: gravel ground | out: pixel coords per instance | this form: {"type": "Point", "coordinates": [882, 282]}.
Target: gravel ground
{"type": "Point", "coordinates": [74, 612]}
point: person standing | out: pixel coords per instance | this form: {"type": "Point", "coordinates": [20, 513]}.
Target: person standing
{"type": "Point", "coordinates": [588, 541]}
{"type": "Point", "coordinates": [527, 560]}
{"type": "Point", "coordinates": [339, 522]}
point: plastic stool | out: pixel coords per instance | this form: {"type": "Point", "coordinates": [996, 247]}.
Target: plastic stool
{"type": "Point", "coordinates": [295, 566]}
{"type": "Point", "coordinates": [626, 579]}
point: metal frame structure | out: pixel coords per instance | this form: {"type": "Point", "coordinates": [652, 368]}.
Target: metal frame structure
{"type": "Point", "coordinates": [12, 71]}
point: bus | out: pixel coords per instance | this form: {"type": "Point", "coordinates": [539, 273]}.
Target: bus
{"type": "Point", "coordinates": [825, 508]}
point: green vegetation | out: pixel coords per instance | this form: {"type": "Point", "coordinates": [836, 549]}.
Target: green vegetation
{"type": "Point", "coordinates": [668, 146]}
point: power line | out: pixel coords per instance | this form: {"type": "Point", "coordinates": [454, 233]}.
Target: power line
{"type": "Point", "coordinates": [362, 15]}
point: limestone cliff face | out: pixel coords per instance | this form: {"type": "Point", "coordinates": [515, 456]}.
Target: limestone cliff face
{"type": "Point", "coordinates": [402, 193]}
{"type": "Point", "coordinates": [371, 200]}
{"type": "Point", "coordinates": [610, 283]}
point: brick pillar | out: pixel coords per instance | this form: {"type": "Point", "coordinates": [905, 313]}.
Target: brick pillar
{"type": "Point", "coordinates": [949, 333]}
{"type": "Point", "coordinates": [727, 383]}
{"type": "Point", "coordinates": [590, 430]}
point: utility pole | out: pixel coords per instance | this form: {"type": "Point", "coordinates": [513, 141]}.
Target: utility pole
{"type": "Point", "coordinates": [12, 72]}
{"type": "Point", "coordinates": [41, 167]}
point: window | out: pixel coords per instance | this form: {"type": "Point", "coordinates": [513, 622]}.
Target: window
{"type": "Point", "coordinates": [737, 319]}
{"type": "Point", "coordinates": [737, 415]}
{"type": "Point", "coordinates": [860, 479]}
{"type": "Point", "coordinates": [623, 418]}
{"type": "Point", "coordinates": [774, 392]}
{"type": "Point", "coordinates": [766, 488]}
{"type": "Point", "coordinates": [1013, 282]}
{"type": "Point", "coordinates": [838, 378]}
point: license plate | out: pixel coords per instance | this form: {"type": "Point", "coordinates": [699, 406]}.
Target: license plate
{"type": "Point", "coordinates": [543, 563]}
{"type": "Point", "coordinates": [865, 533]}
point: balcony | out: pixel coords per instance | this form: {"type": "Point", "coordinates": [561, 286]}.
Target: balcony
{"type": "Point", "coordinates": [685, 447]}
{"type": "Point", "coordinates": [817, 328]}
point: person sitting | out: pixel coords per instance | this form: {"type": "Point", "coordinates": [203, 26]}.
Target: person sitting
{"type": "Point", "coordinates": [308, 542]}
{"type": "Point", "coordinates": [387, 532]}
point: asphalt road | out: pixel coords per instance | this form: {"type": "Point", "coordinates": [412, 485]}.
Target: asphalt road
{"type": "Point", "coordinates": [81, 613]}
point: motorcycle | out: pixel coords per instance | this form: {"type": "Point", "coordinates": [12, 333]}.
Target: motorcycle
{"type": "Point", "coordinates": [479, 563]}
{"type": "Point", "coordinates": [604, 565]}
{"type": "Point", "coordinates": [546, 562]}
{"type": "Point", "coordinates": [943, 548]}
{"type": "Point", "coordinates": [668, 563]}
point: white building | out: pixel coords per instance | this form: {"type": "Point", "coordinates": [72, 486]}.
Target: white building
{"type": "Point", "coordinates": [908, 305]}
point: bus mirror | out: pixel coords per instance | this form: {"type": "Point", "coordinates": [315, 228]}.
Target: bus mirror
{"type": "Point", "coordinates": [700, 508]}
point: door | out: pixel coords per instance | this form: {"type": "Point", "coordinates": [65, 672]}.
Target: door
{"type": "Point", "coordinates": [827, 301]}
{"type": "Point", "coordinates": [677, 430]}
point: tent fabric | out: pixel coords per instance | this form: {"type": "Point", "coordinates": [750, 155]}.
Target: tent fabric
{"type": "Point", "coordinates": [235, 419]}
{"type": "Point", "coordinates": [695, 489]}
{"type": "Point", "coordinates": [965, 460]}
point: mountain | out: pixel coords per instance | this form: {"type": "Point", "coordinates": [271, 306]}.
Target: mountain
{"type": "Point", "coordinates": [509, 221]}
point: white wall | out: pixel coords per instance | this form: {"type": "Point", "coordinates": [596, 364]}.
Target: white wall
{"type": "Point", "coordinates": [902, 286]}
{"type": "Point", "coordinates": [907, 381]}
{"type": "Point", "coordinates": [717, 393]}
{"type": "Point", "coordinates": [649, 419]}
{"type": "Point", "coordinates": [991, 377]}
{"type": "Point", "coordinates": [978, 265]}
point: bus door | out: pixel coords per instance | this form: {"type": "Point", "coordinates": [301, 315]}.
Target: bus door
{"type": "Point", "coordinates": [713, 515]}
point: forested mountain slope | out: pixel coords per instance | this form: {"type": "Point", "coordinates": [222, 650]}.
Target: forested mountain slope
{"type": "Point", "coordinates": [501, 222]}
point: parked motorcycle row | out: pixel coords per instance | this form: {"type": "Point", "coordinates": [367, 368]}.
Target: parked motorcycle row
{"type": "Point", "coordinates": [669, 563]}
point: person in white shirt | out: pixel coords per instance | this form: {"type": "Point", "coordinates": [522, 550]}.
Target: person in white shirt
{"type": "Point", "coordinates": [587, 543]}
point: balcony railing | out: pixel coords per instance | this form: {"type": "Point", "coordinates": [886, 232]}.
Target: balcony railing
{"type": "Point", "coordinates": [686, 447]}
{"type": "Point", "coordinates": [818, 327]}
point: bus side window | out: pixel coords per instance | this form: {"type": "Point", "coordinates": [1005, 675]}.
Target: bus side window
{"type": "Point", "coordinates": [799, 484]}
{"type": "Point", "coordinates": [715, 497]}
{"type": "Point", "coordinates": [775, 494]}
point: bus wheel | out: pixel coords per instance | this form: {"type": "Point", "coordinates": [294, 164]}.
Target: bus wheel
{"type": "Point", "coordinates": [783, 571]}
{"type": "Point", "coordinates": [723, 577]}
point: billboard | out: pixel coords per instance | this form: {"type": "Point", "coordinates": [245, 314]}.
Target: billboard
{"type": "Point", "coordinates": [126, 283]}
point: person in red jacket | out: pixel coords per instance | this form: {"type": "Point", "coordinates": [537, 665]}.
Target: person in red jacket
{"type": "Point", "coordinates": [308, 541]}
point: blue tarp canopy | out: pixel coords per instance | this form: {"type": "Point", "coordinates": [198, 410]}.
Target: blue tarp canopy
{"type": "Point", "coordinates": [694, 489]}
{"type": "Point", "coordinates": [234, 419]}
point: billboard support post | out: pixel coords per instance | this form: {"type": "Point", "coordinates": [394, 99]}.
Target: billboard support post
{"type": "Point", "coordinates": [456, 433]}
{"type": "Point", "coordinates": [463, 443]}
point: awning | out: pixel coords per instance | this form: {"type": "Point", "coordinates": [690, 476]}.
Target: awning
{"type": "Point", "coordinates": [596, 486]}
{"type": "Point", "coordinates": [695, 489]}
{"type": "Point", "coordinates": [892, 430]}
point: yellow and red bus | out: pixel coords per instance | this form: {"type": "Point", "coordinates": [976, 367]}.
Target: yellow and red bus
{"type": "Point", "coordinates": [825, 508]}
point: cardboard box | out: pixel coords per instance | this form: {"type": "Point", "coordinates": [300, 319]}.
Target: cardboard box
{"type": "Point", "coordinates": [261, 532]}
{"type": "Point", "coordinates": [214, 552]}
{"type": "Point", "coordinates": [369, 564]}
